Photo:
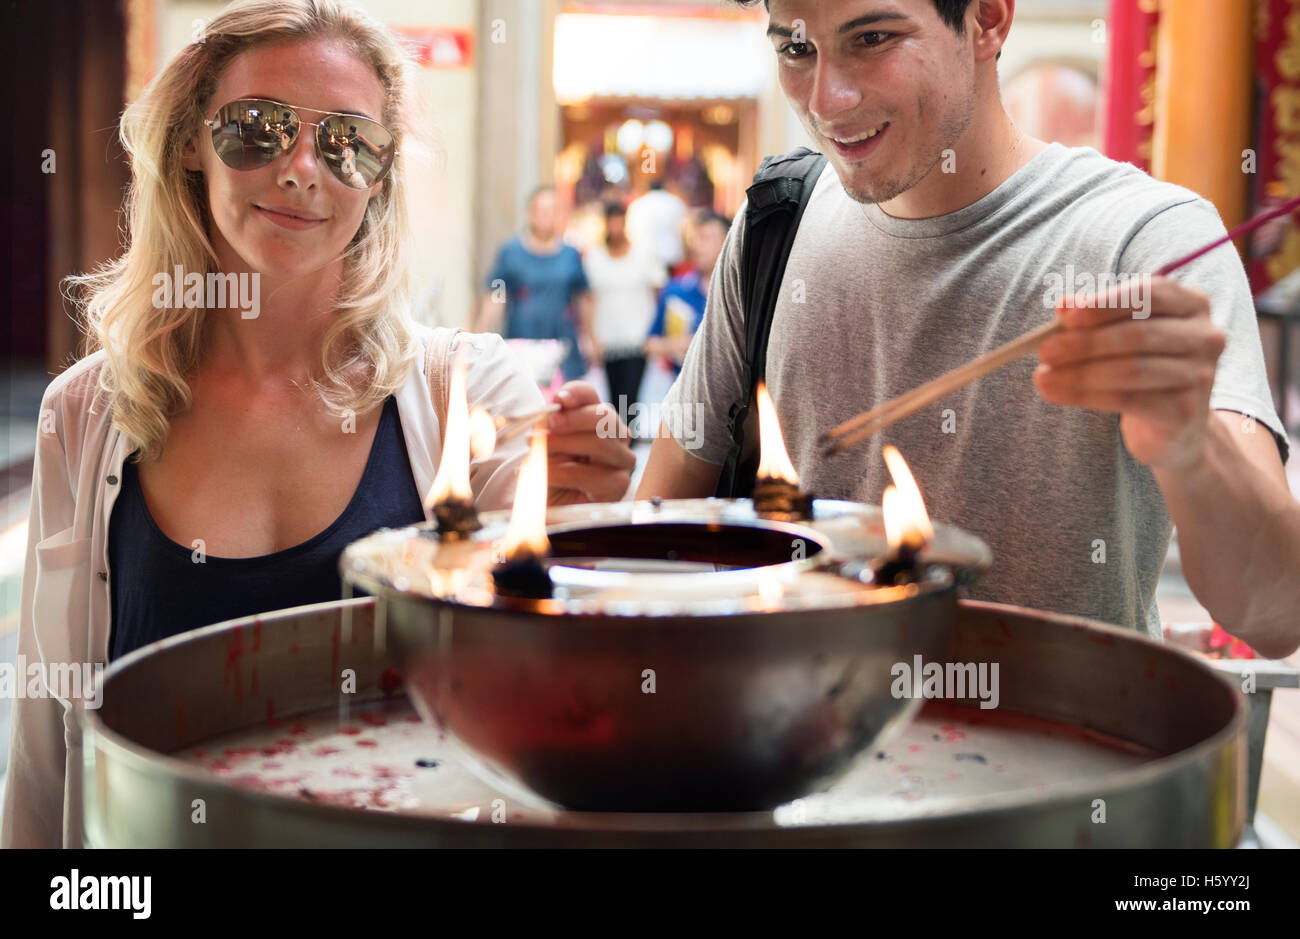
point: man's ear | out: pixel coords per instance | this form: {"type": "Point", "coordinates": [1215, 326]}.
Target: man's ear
{"type": "Point", "coordinates": [190, 156]}
{"type": "Point", "coordinates": [992, 23]}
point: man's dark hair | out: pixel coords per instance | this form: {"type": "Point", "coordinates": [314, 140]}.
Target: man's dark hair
{"type": "Point", "coordinates": [613, 209]}
{"type": "Point", "coordinates": [952, 12]}
{"type": "Point", "coordinates": [712, 216]}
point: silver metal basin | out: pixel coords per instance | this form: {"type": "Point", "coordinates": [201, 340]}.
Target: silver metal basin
{"type": "Point", "coordinates": [666, 690]}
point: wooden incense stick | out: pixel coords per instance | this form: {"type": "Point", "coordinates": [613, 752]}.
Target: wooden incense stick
{"type": "Point", "coordinates": [871, 422]}
{"type": "Point", "coordinates": [509, 427]}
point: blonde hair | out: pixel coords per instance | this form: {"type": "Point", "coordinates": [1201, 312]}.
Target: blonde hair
{"type": "Point", "coordinates": [151, 350]}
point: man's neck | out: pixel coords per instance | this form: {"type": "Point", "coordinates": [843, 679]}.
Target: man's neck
{"type": "Point", "coordinates": [988, 153]}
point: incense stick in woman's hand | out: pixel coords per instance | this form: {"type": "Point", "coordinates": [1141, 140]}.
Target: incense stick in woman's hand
{"type": "Point", "coordinates": [508, 427]}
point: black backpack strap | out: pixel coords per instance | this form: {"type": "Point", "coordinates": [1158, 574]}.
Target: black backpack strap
{"type": "Point", "coordinates": [776, 202]}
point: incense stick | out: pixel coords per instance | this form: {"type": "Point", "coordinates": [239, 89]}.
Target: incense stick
{"type": "Point", "coordinates": [869, 423]}
{"type": "Point", "coordinates": [509, 427]}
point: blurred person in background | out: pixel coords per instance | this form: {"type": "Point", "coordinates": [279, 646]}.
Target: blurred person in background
{"type": "Point", "coordinates": [537, 288]}
{"type": "Point", "coordinates": [625, 277]}
{"type": "Point", "coordinates": [681, 304]}
{"type": "Point", "coordinates": [655, 221]}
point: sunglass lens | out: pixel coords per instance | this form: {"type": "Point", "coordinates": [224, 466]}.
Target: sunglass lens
{"type": "Point", "coordinates": [358, 151]}
{"type": "Point", "coordinates": [250, 134]}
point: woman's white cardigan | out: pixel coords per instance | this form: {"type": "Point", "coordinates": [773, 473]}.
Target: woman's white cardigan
{"type": "Point", "coordinates": [65, 612]}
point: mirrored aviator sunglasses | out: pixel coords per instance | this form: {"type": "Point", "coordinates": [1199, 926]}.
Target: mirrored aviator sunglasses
{"type": "Point", "coordinates": [253, 132]}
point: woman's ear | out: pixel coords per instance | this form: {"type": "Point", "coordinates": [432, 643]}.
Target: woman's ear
{"type": "Point", "coordinates": [190, 156]}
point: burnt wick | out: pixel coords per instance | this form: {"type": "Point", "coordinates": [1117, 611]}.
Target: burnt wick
{"type": "Point", "coordinates": [781, 500]}
{"type": "Point", "coordinates": [900, 567]}
{"type": "Point", "coordinates": [522, 579]}
{"type": "Point", "coordinates": [456, 518]}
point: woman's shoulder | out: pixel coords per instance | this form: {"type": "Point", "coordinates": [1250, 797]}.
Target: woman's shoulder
{"type": "Point", "coordinates": [77, 388]}
{"type": "Point", "coordinates": [76, 411]}
{"type": "Point", "coordinates": [442, 342]}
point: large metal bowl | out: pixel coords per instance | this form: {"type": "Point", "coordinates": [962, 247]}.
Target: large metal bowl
{"type": "Point", "coordinates": [635, 690]}
{"type": "Point", "coordinates": [1055, 766]}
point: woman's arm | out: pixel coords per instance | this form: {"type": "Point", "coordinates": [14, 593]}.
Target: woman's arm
{"type": "Point", "coordinates": [32, 815]}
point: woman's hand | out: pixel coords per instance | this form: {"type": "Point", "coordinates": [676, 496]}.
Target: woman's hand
{"type": "Point", "coordinates": [590, 452]}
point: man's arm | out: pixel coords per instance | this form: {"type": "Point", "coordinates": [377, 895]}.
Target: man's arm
{"type": "Point", "coordinates": [687, 456]}
{"type": "Point", "coordinates": [672, 473]}
{"type": "Point", "coordinates": [1239, 533]}
{"type": "Point", "coordinates": [1238, 525]}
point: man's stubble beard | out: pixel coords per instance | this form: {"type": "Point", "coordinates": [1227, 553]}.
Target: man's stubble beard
{"type": "Point", "coordinates": [950, 131]}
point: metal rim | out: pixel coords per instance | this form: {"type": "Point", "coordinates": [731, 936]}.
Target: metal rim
{"type": "Point", "coordinates": [963, 554]}
{"type": "Point", "coordinates": [1148, 773]}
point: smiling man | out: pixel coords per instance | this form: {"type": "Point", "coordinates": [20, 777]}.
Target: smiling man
{"type": "Point", "coordinates": [938, 231]}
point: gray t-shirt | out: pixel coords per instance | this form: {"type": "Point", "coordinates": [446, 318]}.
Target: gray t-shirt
{"type": "Point", "coordinates": [872, 306]}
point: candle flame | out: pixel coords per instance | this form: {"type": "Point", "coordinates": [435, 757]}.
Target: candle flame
{"type": "Point", "coordinates": [906, 520]}
{"type": "Point", "coordinates": [452, 478]}
{"type": "Point", "coordinates": [773, 461]}
{"type": "Point", "coordinates": [482, 434]}
{"type": "Point", "coordinates": [526, 534]}
{"type": "Point", "coordinates": [770, 592]}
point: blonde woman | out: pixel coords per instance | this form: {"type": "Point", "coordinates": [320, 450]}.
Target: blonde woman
{"type": "Point", "coordinates": [211, 459]}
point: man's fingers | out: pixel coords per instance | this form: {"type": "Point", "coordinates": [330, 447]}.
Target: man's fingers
{"type": "Point", "coordinates": [1133, 298]}
{"type": "Point", "coordinates": [1162, 407]}
{"type": "Point", "coordinates": [1129, 373]}
{"type": "Point", "coordinates": [1156, 336]}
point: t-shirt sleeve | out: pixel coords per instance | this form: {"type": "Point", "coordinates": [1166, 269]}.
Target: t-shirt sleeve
{"type": "Point", "coordinates": [697, 405]}
{"type": "Point", "coordinates": [1240, 380]}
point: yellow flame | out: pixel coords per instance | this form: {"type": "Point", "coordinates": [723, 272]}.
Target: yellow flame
{"type": "Point", "coordinates": [526, 534]}
{"type": "Point", "coordinates": [773, 461]}
{"type": "Point", "coordinates": [906, 520]}
{"type": "Point", "coordinates": [452, 478]}
{"type": "Point", "coordinates": [482, 434]}
{"type": "Point", "coordinates": [770, 592]}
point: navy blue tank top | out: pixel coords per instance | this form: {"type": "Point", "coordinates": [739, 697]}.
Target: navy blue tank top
{"type": "Point", "coordinates": [158, 589]}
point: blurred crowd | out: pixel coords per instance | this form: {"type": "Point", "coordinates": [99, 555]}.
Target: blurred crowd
{"type": "Point", "coordinates": [613, 296]}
